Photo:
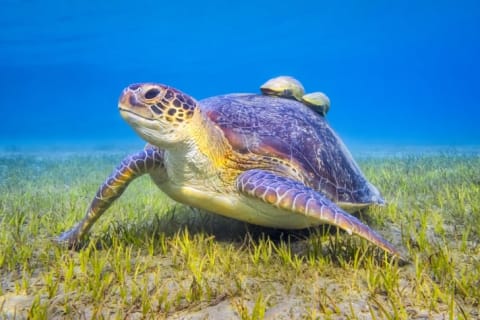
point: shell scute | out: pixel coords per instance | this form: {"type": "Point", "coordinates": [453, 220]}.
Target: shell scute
{"type": "Point", "coordinates": [297, 137]}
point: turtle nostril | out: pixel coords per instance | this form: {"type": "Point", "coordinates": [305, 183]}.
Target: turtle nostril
{"type": "Point", "coordinates": [132, 100]}
{"type": "Point", "coordinates": [152, 93]}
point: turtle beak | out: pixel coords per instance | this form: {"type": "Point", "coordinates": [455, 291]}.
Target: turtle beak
{"type": "Point", "coordinates": [129, 102]}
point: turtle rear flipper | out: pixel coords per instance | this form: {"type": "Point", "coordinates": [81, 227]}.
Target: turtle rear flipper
{"type": "Point", "coordinates": [290, 195]}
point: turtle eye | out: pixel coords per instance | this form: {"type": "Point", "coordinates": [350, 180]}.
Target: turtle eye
{"type": "Point", "coordinates": [152, 93]}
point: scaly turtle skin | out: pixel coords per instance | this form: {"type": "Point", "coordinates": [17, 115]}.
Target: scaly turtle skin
{"type": "Point", "coordinates": [261, 159]}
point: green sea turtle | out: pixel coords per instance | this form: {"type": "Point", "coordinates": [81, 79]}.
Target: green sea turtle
{"type": "Point", "coordinates": [262, 159]}
{"type": "Point", "coordinates": [289, 87]}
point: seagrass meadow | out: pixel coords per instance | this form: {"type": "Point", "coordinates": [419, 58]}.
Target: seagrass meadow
{"type": "Point", "coordinates": [150, 258]}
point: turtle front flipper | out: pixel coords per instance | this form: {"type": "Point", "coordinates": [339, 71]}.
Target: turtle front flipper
{"type": "Point", "coordinates": [293, 196]}
{"type": "Point", "coordinates": [133, 166]}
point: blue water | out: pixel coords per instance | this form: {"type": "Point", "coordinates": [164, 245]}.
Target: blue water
{"type": "Point", "coordinates": [405, 72]}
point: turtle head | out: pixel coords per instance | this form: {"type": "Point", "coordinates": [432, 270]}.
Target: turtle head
{"type": "Point", "coordinates": [158, 113]}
